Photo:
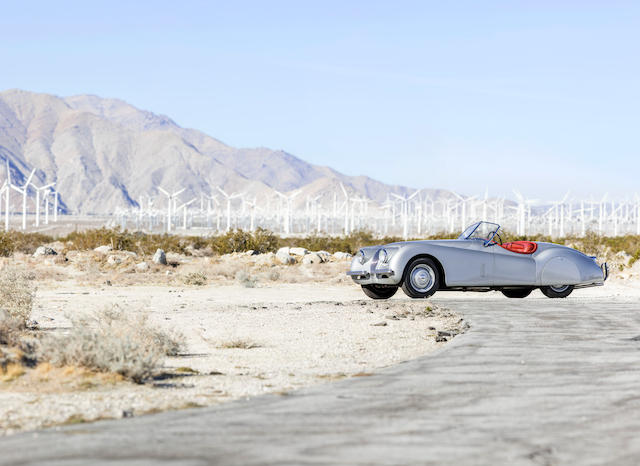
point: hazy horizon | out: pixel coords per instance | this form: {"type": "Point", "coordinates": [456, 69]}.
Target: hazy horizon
{"type": "Point", "coordinates": [460, 97]}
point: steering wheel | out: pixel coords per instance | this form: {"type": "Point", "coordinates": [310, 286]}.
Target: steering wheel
{"type": "Point", "coordinates": [496, 235]}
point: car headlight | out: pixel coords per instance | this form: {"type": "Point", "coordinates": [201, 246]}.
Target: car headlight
{"type": "Point", "coordinates": [361, 257]}
{"type": "Point", "coordinates": [383, 256]}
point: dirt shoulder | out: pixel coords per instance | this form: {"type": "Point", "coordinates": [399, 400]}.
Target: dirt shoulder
{"type": "Point", "coordinates": [240, 342]}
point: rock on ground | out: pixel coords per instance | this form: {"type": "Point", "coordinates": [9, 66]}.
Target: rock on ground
{"type": "Point", "coordinates": [160, 257]}
{"type": "Point", "coordinates": [142, 267]}
{"type": "Point", "coordinates": [103, 249]}
{"type": "Point", "coordinates": [298, 251]}
{"type": "Point", "coordinates": [44, 251]}
{"type": "Point", "coordinates": [312, 258]}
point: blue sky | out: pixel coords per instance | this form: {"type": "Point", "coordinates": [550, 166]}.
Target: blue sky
{"type": "Point", "coordinates": [458, 95]}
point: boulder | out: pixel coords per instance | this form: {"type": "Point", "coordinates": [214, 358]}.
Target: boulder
{"type": "Point", "coordinates": [298, 252]}
{"type": "Point", "coordinates": [285, 250]}
{"type": "Point", "coordinates": [44, 251]}
{"type": "Point", "coordinates": [285, 258]}
{"type": "Point", "coordinates": [106, 249]}
{"type": "Point", "coordinates": [160, 257]}
{"type": "Point", "coordinates": [324, 255]}
{"type": "Point", "coordinates": [312, 258]}
{"type": "Point", "coordinates": [142, 267]}
{"type": "Point", "coordinates": [341, 256]}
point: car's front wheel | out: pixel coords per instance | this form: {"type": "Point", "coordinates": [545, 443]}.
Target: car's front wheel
{"type": "Point", "coordinates": [557, 291]}
{"type": "Point", "coordinates": [379, 291]}
{"type": "Point", "coordinates": [421, 279]}
{"type": "Point", "coordinates": [517, 292]}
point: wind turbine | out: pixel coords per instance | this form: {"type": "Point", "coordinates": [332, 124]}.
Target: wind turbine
{"type": "Point", "coordinates": [405, 211]}
{"type": "Point", "coordinates": [346, 209]}
{"type": "Point", "coordinates": [24, 190]}
{"type": "Point", "coordinates": [286, 221]}
{"type": "Point", "coordinates": [184, 206]}
{"type": "Point", "coordinates": [602, 212]}
{"type": "Point", "coordinates": [42, 188]}
{"type": "Point", "coordinates": [229, 197]}
{"type": "Point", "coordinates": [5, 188]}
{"type": "Point", "coordinates": [170, 199]}
{"type": "Point", "coordinates": [524, 211]}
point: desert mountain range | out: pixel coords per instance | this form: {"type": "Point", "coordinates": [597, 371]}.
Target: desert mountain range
{"type": "Point", "coordinates": [104, 154]}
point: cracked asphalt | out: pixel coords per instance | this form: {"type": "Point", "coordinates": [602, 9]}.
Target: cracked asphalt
{"type": "Point", "coordinates": [534, 381]}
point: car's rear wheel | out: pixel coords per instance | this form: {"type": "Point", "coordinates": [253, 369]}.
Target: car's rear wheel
{"type": "Point", "coordinates": [379, 291]}
{"type": "Point", "coordinates": [557, 291]}
{"type": "Point", "coordinates": [421, 278]}
{"type": "Point", "coordinates": [517, 292]}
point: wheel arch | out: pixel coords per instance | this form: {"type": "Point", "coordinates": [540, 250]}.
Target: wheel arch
{"type": "Point", "coordinates": [443, 279]}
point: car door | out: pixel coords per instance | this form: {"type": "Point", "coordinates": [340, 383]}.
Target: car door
{"type": "Point", "coordinates": [468, 263]}
{"type": "Point", "coordinates": [512, 268]}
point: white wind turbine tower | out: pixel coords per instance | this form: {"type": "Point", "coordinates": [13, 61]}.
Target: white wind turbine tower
{"type": "Point", "coordinates": [7, 198]}
{"type": "Point", "coordinates": [42, 188]}
{"type": "Point", "coordinates": [637, 214]}
{"type": "Point", "coordinates": [170, 200]}
{"type": "Point", "coordinates": [24, 190]}
{"type": "Point", "coordinates": [346, 209]}
{"type": "Point", "coordinates": [229, 198]}
{"type": "Point", "coordinates": [286, 221]}
{"type": "Point", "coordinates": [602, 212]}
{"type": "Point", "coordinates": [184, 206]}
{"type": "Point", "coordinates": [405, 211]}
{"type": "Point", "coordinates": [463, 203]}
{"type": "Point", "coordinates": [5, 188]}
{"type": "Point", "coordinates": [524, 210]}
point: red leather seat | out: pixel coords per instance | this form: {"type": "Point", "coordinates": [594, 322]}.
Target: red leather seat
{"type": "Point", "coordinates": [521, 247]}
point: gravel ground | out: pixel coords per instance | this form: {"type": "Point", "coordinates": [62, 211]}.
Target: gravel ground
{"type": "Point", "coordinates": [241, 342]}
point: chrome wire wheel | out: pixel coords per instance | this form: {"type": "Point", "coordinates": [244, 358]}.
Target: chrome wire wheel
{"type": "Point", "coordinates": [559, 289]}
{"type": "Point", "coordinates": [422, 278]}
{"type": "Point", "coordinates": [556, 291]}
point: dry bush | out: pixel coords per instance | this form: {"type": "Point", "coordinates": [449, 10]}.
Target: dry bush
{"type": "Point", "coordinates": [17, 292]}
{"type": "Point", "coordinates": [16, 241]}
{"type": "Point", "coordinates": [113, 341]}
{"type": "Point", "coordinates": [195, 279]}
{"type": "Point", "coordinates": [245, 279]}
{"type": "Point", "coordinates": [239, 344]}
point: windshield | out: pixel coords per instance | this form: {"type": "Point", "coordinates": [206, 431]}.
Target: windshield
{"type": "Point", "coordinates": [484, 231]}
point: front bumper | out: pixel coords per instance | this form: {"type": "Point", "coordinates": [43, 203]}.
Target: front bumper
{"type": "Point", "coordinates": [372, 273]}
{"type": "Point", "coordinates": [378, 276]}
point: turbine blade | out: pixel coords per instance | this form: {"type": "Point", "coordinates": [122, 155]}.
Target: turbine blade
{"type": "Point", "coordinates": [30, 177]}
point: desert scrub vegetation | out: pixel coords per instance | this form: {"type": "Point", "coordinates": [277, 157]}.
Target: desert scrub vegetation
{"type": "Point", "coordinates": [263, 241]}
{"type": "Point", "coordinates": [195, 279]}
{"type": "Point", "coordinates": [113, 341]}
{"type": "Point", "coordinates": [16, 241]}
{"type": "Point", "coordinates": [17, 292]}
{"type": "Point", "coordinates": [245, 279]}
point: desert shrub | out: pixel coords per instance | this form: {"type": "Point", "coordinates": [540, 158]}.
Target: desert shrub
{"type": "Point", "coordinates": [260, 241]}
{"type": "Point", "coordinates": [16, 241]}
{"type": "Point", "coordinates": [113, 341]}
{"type": "Point", "coordinates": [196, 279]}
{"type": "Point", "coordinates": [245, 279]}
{"type": "Point", "coordinates": [17, 292]}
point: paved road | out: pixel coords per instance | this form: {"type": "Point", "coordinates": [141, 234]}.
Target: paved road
{"type": "Point", "coordinates": [535, 381]}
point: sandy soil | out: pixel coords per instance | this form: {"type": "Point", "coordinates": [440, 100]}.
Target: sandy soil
{"type": "Point", "coordinates": [255, 327]}
{"type": "Point", "coordinates": [241, 341]}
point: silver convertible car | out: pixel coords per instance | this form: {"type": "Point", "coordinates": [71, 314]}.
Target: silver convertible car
{"type": "Point", "coordinates": [477, 261]}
